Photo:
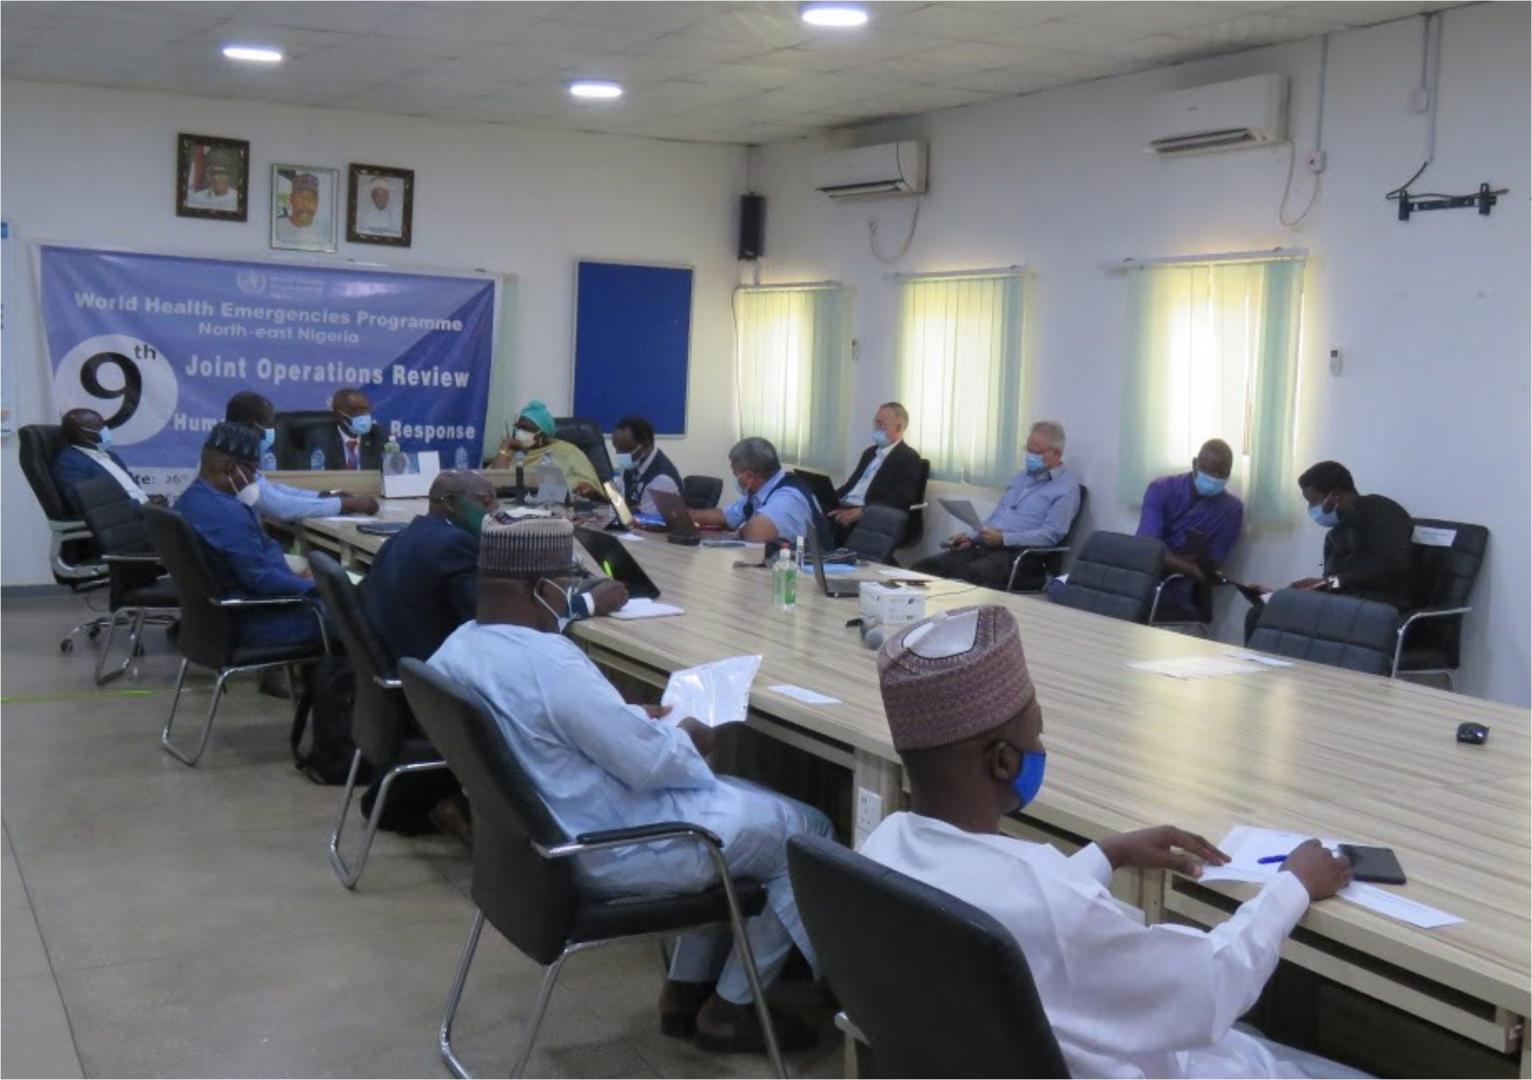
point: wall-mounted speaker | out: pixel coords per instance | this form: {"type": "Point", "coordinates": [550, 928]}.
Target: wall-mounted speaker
{"type": "Point", "coordinates": [752, 226]}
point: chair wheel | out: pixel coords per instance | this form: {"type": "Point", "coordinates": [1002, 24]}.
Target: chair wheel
{"type": "Point", "coordinates": [67, 645]}
{"type": "Point", "coordinates": [95, 632]}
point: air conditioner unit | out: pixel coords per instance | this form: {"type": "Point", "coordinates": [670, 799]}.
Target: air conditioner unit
{"type": "Point", "coordinates": [1221, 116]}
{"type": "Point", "coordinates": [897, 168]}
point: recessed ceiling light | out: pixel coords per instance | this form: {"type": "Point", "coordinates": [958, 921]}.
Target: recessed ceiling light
{"type": "Point", "coordinates": [256, 54]}
{"type": "Point", "coordinates": [595, 88]}
{"type": "Point", "coordinates": [833, 13]}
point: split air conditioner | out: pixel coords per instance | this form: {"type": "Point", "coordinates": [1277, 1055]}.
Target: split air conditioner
{"type": "Point", "coordinates": [897, 168]}
{"type": "Point", "coordinates": [1222, 116]}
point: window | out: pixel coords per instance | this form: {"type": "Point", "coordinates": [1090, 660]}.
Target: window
{"type": "Point", "coordinates": [1214, 354]}
{"type": "Point", "coordinates": [959, 373]}
{"type": "Point", "coordinates": [791, 362]}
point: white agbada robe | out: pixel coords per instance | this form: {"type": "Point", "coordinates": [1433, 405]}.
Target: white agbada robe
{"type": "Point", "coordinates": [1124, 999]}
{"type": "Point", "coordinates": [601, 763]}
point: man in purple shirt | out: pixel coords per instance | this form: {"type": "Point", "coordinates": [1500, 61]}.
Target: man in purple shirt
{"type": "Point", "coordinates": [1199, 521]}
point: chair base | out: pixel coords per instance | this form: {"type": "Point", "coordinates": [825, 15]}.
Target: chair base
{"type": "Point", "coordinates": [349, 875]}
{"type": "Point", "coordinates": [192, 757]}
{"type": "Point", "coordinates": [137, 619]}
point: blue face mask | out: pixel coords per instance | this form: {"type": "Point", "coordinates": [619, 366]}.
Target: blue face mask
{"type": "Point", "coordinates": [1035, 463]}
{"type": "Point", "coordinates": [1030, 779]}
{"type": "Point", "coordinates": [1207, 485]}
{"type": "Point", "coordinates": [623, 461]}
{"type": "Point", "coordinates": [362, 423]}
{"type": "Point", "coordinates": [879, 438]}
{"type": "Point", "coordinates": [103, 438]}
{"type": "Point", "coordinates": [1321, 518]}
{"type": "Point", "coordinates": [268, 438]}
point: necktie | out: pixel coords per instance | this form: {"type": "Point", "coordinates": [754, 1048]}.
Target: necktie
{"type": "Point", "coordinates": [352, 461]}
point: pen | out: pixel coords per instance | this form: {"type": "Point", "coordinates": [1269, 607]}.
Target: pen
{"type": "Point", "coordinates": [1271, 859]}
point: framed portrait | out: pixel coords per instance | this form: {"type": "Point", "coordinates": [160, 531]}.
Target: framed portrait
{"type": "Point", "coordinates": [380, 203]}
{"type": "Point", "coordinates": [303, 207]}
{"type": "Point", "coordinates": [212, 177]}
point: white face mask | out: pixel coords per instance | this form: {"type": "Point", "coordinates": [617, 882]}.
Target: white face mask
{"type": "Point", "coordinates": [250, 494]}
{"type": "Point", "coordinates": [524, 438]}
{"type": "Point", "coordinates": [563, 620]}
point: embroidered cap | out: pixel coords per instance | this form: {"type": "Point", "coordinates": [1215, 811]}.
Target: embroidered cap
{"type": "Point", "coordinates": [527, 549]}
{"type": "Point", "coordinates": [240, 441]}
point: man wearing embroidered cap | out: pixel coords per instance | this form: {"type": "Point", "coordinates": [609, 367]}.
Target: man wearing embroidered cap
{"type": "Point", "coordinates": [533, 438]}
{"type": "Point", "coordinates": [1123, 999]}
{"type": "Point", "coordinates": [600, 763]}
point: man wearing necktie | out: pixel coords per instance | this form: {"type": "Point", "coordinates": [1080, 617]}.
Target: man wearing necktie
{"type": "Point", "coordinates": [355, 442]}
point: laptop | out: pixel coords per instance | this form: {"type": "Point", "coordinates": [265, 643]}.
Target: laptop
{"type": "Point", "coordinates": [678, 519]}
{"type": "Point", "coordinates": [837, 588]}
{"type": "Point", "coordinates": [624, 518]}
{"type": "Point", "coordinates": [963, 510]}
{"type": "Point", "coordinates": [820, 485]}
{"type": "Point", "coordinates": [617, 562]}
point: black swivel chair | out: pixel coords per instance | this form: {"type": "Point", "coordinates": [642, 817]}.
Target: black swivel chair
{"type": "Point", "coordinates": [524, 880]}
{"type": "Point", "coordinates": [1342, 631]}
{"type": "Point", "coordinates": [138, 591]}
{"type": "Point", "coordinates": [73, 555]}
{"type": "Point", "coordinates": [877, 533]}
{"type": "Point", "coordinates": [959, 1000]}
{"type": "Point", "coordinates": [293, 430]}
{"type": "Point", "coordinates": [1430, 638]}
{"type": "Point", "coordinates": [586, 434]}
{"type": "Point", "coordinates": [1049, 559]}
{"type": "Point", "coordinates": [701, 492]}
{"type": "Point", "coordinates": [381, 725]}
{"type": "Point", "coordinates": [1115, 575]}
{"type": "Point", "coordinates": [209, 635]}
{"type": "Point", "coordinates": [915, 527]}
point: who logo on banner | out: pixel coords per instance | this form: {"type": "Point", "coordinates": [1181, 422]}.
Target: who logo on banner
{"type": "Point", "coordinates": [125, 379]}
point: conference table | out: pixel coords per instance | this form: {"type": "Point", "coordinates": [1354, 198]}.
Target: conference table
{"type": "Point", "coordinates": [1302, 748]}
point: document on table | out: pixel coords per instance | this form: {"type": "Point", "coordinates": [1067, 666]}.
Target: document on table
{"type": "Point", "coordinates": [716, 693]}
{"type": "Point", "coordinates": [1257, 658]}
{"type": "Point", "coordinates": [356, 579]}
{"type": "Point", "coordinates": [808, 697]}
{"type": "Point", "coordinates": [639, 607]}
{"type": "Point", "coordinates": [1197, 667]}
{"type": "Point", "coordinates": [350, 518]}
{"type": "Point", "coordinates": [907, 575]}
{"type": "Point", "coordinates": [1246, 846]}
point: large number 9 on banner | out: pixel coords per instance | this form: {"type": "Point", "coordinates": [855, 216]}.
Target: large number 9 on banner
{"type": "Point", "coordinates": [125, 379]}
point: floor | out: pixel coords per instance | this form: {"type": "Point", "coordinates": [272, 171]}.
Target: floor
{"type": "Point", "coordinates": [166, 921]}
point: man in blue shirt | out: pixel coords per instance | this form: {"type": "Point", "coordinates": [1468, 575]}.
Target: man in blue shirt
{"type": "Point", "coordinates": [1035, 511]}
{"type": "Point", "coordinates": [1199, 521]}
{"type": "Point", "coordinates": [772, 503]}
{"type": "Point", "coordinates": [246, 562]}
{"type": "Point", "coordinates": [282, 502]}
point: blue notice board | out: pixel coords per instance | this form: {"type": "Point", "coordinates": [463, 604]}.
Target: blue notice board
{"type": "Point", "coordinates": [632, 343]}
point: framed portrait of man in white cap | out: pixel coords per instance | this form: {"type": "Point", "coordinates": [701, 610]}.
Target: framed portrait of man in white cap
{"type": "Point", "coordinates": [303, 207]}
{"type": "Point", "coordinates": [212, 177]}
{"type": "Point", "coordinates": [380, 205]}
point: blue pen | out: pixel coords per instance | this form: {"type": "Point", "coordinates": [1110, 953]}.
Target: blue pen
{"type": "Point", "coordinates": [1271, 859]}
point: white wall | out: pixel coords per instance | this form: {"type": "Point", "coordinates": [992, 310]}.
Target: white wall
{"type": "Point", "coordinates": [93, 166]}
{"type": "Point", "coordinates": [1433, 405]}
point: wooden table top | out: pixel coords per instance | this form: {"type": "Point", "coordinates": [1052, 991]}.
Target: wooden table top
{"type": "Point", "coordinates": [1306, 748]}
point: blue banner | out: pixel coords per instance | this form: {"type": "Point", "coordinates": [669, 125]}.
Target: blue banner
{"type": "Point", "coordinates": [157, 344]}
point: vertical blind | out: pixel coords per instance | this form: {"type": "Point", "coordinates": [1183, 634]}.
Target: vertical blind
{"type": "Point", "coordinates": [792, 347]}
{"type": "Point", "coordinates": [960, 373]}
{"type": "Point", "coordinates": [1214, 354]}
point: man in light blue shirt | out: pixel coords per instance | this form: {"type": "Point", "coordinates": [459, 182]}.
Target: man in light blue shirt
{"type": "Point", "coordinates": [282, 502]}
{"type": "Point", "coordinates": [1035, 511]}
{"type": "Point", "coordinates": [772, 502]}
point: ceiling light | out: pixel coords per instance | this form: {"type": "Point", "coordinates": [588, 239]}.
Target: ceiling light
{"type": "Point", "coordinates": [258, 54]}
{"type": "Point", "coordinates": [831, 13]}
{"type": "Point", "coordinates": [595, 88]}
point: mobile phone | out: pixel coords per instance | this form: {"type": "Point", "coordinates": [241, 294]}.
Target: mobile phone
{"type": "Point", "coordinates": [1375, 864]}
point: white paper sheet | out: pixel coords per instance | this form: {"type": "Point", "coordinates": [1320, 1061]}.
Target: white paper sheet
{"type": "Point", "coordinates": [1430, 537]}
{"type": "Point", "coordinates": [1258, 658]}
{"type": "Point", "coordinates": [356, 579]}
{"type": "Point", "coordinates": [1197, 667]}
{"type": "Point", "coordinates": [350, 517]}
{"type": "Point", "coordinates": [908, 575]}
{"type": "Point", "coordinates": [716, 693]}
{"type": "Point", "coordinates": [519, 512]}
{"type": "Point", "coordinates": [963, 510]}
{"type": "Point", "coordinates": [808, 697]}
{"type": "Point", "coordinates": [639, 607]}
{"type": "Point", "coordinates": [630, 537]}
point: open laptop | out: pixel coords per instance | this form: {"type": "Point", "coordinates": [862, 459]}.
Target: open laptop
{"type": "Point", "coordinates": [821, 486]}
{"type": "Point", "coordinates": [678, 518]}
{"type": "Point", "coordinates": [617, 562]}
{"type": "Point", "coordinates": [837, 587]}
{"type": "Point", "coordinates": [624, 518]}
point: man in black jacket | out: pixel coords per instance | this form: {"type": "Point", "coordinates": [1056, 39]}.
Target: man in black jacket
{"type": "Point", "coordinates": [355, 442]}
{"type": "Point", "coordinates": [1369, 549]}
{"type": "Point", "coordinates": [888, 473]}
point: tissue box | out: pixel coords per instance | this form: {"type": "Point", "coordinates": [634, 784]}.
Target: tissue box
{"type": "Point", "coordinates": [892, 605]}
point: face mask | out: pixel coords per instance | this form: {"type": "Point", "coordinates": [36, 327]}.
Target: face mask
{"type": "Point", "coordinates": [470, 516]}
{"type": "Point", "coordinates": [1207, 485]}
{"type": "Point", "coordinates": [624, 462]}
{"type": "Point", "coordinates": [524, 438]}
{"type": "Point", "coordinates": [1029, 779]}
{"type": "Point", "coordinates": [879, 438]}
{"type": "Point", "coordinates": [103, 438]}
{"type": "Point", "coordinates": [361, 424]}
{"type": "Point", "coordinates": [1327, 520]}
{"type": "Point", "coordinates": [568, 595]}
{"type": "Point", "coordinates": [250, 494]}
{"type": "Point", "coordinates": [268, 438]}
{"type": "Point", "coordinates": [1035, 463]}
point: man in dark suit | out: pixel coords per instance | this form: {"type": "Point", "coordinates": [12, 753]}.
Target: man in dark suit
{"type": "Point", "coordinates": [355, 442]}
{"type": "Point", "coordinates": [89, 457]}
{"type": "Point", "coordinates": [888, 473]}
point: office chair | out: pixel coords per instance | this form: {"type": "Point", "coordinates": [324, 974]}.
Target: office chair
{"type": "Point", "coordinates": [1198, 617]}
{"type": "Point", "coordinates": [1049, 560]}
{"type": "Point", "coordinates": [73, 556]}
{"type": "Point", "coordinates": [381, 726]}
{"type": "Point", "coordinates": [1342, 631]}
{"type": "Point", "coordinates": [932, 985]}
{"type": "Point", "coordinates": [1115, 575]}
{"type": "Point", "coordinates": [877, 532]}
{"type": "Point", "coordinates": [293, 430]}
{"type": "Point", "coordinates": [701, 492]}
{"type": "Point", "coordinates": [915, 527]}
{"type": "Point", "coordinates": [209, 635]}
{"type": "Point", "coordinates": [1430, 637]}
{"type": "Point", "coordinates": [138, 591]}
{"type": "Point", "coordinates": [586, 434]}
{"type": "Point", "coordinates": [524, 882]}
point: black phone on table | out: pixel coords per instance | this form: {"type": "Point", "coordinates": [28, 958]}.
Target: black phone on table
{"type": "Point", "coordinates": [1378, 865]}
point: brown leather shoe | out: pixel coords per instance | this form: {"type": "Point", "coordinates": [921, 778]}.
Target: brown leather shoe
{"type": "Point", "coordinates": [448, 817]}
{"type": "Point", "coordinates": [726, 1028]}
{"type": "Point", "coordinates": [679, 1005]}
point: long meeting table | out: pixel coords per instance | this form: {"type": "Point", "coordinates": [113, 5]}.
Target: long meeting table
{"type": "Point", "coordinates": [1302, 748]}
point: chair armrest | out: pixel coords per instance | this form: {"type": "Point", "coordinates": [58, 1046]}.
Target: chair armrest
{"type": "Point", "coordinates": [843, 1022]}
{"type": "Point", "coordinates": [919, 506]}
{"type": "Point", "coordinates": [1039, 552]}
{"type": "Point", "coordinates": [388, 682]}
{"type": "Point", "coordinates": [637, 834]}
{"type": "Point", "coordinates": [130, 559]}
{"type": "Point", "coordinates": [1430, 613]}
{"type": "Point", "coordinates": [236, 603]}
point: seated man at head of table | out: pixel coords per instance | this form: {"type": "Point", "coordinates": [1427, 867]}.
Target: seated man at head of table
{"type": "Point", "coordinates": [600, 763]}
{"type": "Point", "coordinates": [220, 506]}
{"type": "Point", "coordinates": [772, 503]}
{"type": "Point", "coordinates": [89, 456]}
{"type": "Point", "coordinates": [282, 502]}
{"type": "Point", "coordinates": [355, 441]}
{"type": "Point", "coordinates": [643, 466]}
{"type": "Point", "coordinates": [1035, 511]}
{"type": "Point", "coordinates": [533, 439]}
{"type": "Point", "coordinates": [888, 473]}
{"type": "Point", "coordinates": [1369, 547]}
{"type": "Point", "coordinates": [1124, 999]}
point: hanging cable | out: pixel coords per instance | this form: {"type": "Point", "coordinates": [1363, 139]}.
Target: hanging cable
{"type": "Point", "coordinates": [1430, 79]}
{"type": "Point", "coordinates": [872, 238]}
{"type": "Point", "coordinates": [1319, 134]}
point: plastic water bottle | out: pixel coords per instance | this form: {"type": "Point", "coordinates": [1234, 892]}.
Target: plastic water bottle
{"type": "Point", "coordinates": [460, 459]}
{"type": "Point", "coordinates": [391, 447]}
{"type": "Point", "coordinates": [784, 581]}
{"type": "Point", "coordinates": [316, 459]}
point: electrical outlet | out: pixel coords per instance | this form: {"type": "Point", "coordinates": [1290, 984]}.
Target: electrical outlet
{"type": "Point", "coordinates": [1315, 161]}
{"type": "Point", "coordinates": [869, 811]}
{"type": "Point", "coordinates": [1337, 363]}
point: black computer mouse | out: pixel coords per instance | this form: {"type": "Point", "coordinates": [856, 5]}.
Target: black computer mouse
{"type": "Point", "coordinates": [1470, 732]}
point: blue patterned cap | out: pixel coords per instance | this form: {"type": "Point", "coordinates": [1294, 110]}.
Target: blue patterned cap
{"type": "Point", "coordinates": [240, 441]}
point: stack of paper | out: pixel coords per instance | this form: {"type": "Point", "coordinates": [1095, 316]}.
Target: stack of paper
{"type": "Point", "coordinates": [638, 607]}
{"type": "Point", "coordinates": [716, 693]}
{"type": "Point", "coordinates": [1197, 667]}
